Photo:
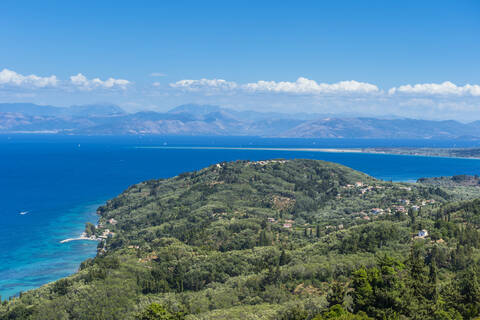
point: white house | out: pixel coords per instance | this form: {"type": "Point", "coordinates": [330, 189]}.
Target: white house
{"type": "Point", "coordinates": [422, 233]}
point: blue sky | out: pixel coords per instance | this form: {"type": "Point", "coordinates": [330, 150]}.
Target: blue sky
{"type": "Point", "coordinates": [415, 58]}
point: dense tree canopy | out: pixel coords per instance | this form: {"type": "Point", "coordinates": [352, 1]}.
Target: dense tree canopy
{"type": "Point", "coordinates": [276, 239]}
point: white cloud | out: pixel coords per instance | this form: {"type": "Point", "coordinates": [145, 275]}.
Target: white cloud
{"type": "Point", "coordinates": [82, 82]}
{"type": "Point", "coordinates": [204, 84]}
{"type": "Point", "coordinates": [9, 77]}
{"type": "Point", "coordinates": [311, 87]}
{"type": "Point", "coordinates": [307, 86]}
{"type": "Point", "coordinates": [441, 89]}
{"type": "Point", "coordinates": [301, 86]}
{"type": "Point", "coordinates": [158, 74]}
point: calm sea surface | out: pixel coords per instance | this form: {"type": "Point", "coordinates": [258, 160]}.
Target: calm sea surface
{"type": "Point", "coordinates": [58, 182]}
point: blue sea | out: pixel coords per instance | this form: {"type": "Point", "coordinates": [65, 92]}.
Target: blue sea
{"type": "Point", "coordinates": [59, 181]}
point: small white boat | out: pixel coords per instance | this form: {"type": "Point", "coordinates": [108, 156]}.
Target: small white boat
{"type": "Point", "coordinates": [23, 212]}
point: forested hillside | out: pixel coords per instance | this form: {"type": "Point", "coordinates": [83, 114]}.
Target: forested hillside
{"type": "Point", "coordinates": [299, 239]}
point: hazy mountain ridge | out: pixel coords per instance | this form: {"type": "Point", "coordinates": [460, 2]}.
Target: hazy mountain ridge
{"type": "Point", "coordinates": [52, 111]}
{"type": "Point", "coordinates": [194, 119]}
{"type": "Point", "coordinates": [384, 128]}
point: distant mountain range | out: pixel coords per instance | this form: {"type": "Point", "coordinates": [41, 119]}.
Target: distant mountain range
{"type": "Point", "coordinates": [194, 119]}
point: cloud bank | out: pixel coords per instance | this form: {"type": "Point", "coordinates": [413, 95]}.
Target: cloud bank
{"type": "Point", "coordinates": [301, 86]}
{"type": "Point", "coordinates": [12, 78]}
{"type": "Point", "coordinates": [443, 89]}
{"type": "Point", "coordinates": [445, 100]}
{"type": "Point", "coordinates": [9, 78]}
{"type": "Point", "coordinates": [204, 84]}
{"type": "Point", "coordinates": [307, 86]}
{"type": "Point", "coordinates": [423, 100]}
{"type": "Point", "coordinates": [82, 82]}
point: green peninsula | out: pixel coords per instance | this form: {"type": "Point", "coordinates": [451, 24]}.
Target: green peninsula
{"type": "Point", "coordinates": [276, 239]}
{"type": "Point", "coordinates": [473, 153]}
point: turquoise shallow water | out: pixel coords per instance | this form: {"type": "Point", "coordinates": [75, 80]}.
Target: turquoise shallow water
{"type": "Point", "coordinates": [61, 181]}
{"type": "Point", "coordinates": [38, 258]}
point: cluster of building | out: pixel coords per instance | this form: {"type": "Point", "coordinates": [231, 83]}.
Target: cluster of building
{"type": "Point", "coordinates": [403, 206]}
{"type": "Point", "coordinates": [357, 184]}
{"type": "Point", "coordinates": [265, 162]}
{"type": "Point", "coordinates": [106, 234]}
{"type": "Point", "coordinates": [363, 188]}
{"type": "Point", "coordinates": [111, 221]}
{"type": "Point", "coordinates": [286, 223]}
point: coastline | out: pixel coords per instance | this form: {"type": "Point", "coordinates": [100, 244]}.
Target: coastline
{"type": "Point", "coordinates": [333, 150]}
{"type": "Point", "coordinates": [82, 237]}
{"type": "Point", "coordinates": [22, 274]}
{"type": "Point", "coordinates": [418, 152]}
{"type": "Point", "coordinates": [70, 222]}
